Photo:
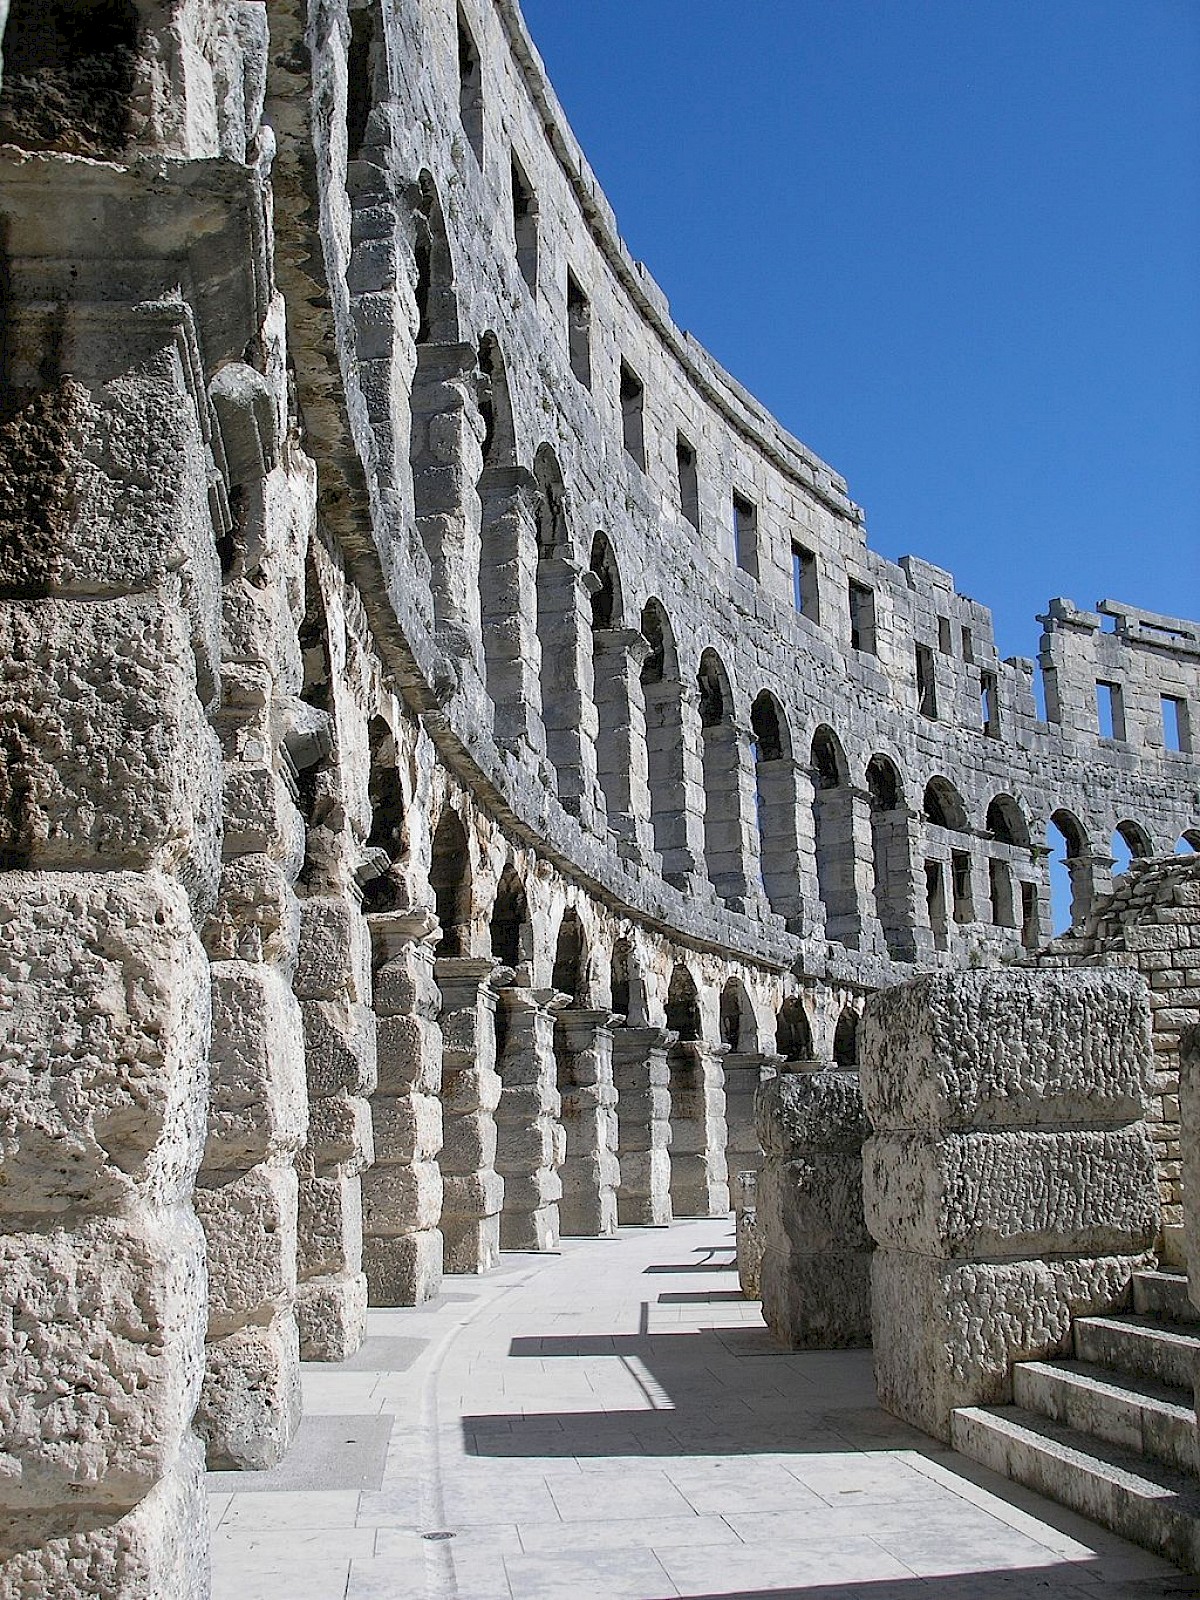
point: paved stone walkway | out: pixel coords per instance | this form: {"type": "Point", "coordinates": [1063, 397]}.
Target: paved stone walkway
{"type": "Point", "coordinates": [615, 1421]}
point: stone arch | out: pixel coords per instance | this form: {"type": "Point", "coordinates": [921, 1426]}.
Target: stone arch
{"type": "Point", "coordinates": [1070, 869]}
{"type": "Point", "coordinates": [683, 1005]}
{"type": "Point", "coordinates": [1006, 822]}
{"type": "Point", "coordinates": [450, 879]}
{"type": "Point", "coordinates": [662, 698]}
{"type": "Point", "coordinates": [723, 842]}
{"type": "Point", "coordinates": [435, 291]}
{"type": "Point", "coordinates": [891, 856]}
{"type": "Point", "coordinates": [388, 840]}
{"type": "Point", "coordinates": [624, 982]}
{"type": "Point", "coordinates": [845, 1038]}
{"type": "Point", "coordinates": [833, 836]}
{"type": "Point", "coordinates": [510, 930]}
{"type": "Point", "coordinates": [942, 805]}
{"type": "Point", "coordinates": [1188, 841]}
{"type": "Point", "coordinates": [570, 974]}
{"type": "Point", "coordinates": [793, 1031]}
{"type": "Point", "coordinates": [775, 806]}
{"type": "Point", "coordinates": [1130, 842]}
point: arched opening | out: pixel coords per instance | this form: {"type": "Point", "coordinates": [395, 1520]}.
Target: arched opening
{"type": "Point", "coordinates": [833, 837]}
{"type": "Point", "coordinates": [845, 1039]}
{"type": "Point", "coordinates": [510, 920]}
{"type": "Point", "coordinates": [793, 1031]}
{"type": "Point", "coordinates": [1006, 822]}
{"type": "Point", "coordinates": [723, 842]}
{"type": "Point", "coordinates": [683, 1006]}
{"type": "Point", "coordinates": [891, 864]}
{"type": "Point", "coordinates": [943, 807]}
{"type": "Point", "coordinates": [570, 963]}
{"type": "Point", "coordinates": [1070, 871]}
{"type": "Point", "coordinates": [775, 805]}
{"type": "Point", "coordinates": [621, 979]}
{"type": "Point", "coordinates": [1130, 843]}
{"type": "Point", "coordinates": [387, 842]}
{"type": "Point", "coordinates": [450, 880]}
{"type": "Point", "coordinates": [567, 695]}
{"type": "Point", "coordinates": [620, 712]}
{"type": "Point", "coordinates": [1188, 842]}
{"type": "Point", "coordinates": [366, 77]}
{"type": "Point", "coordinates": [661, 695]}
{"type": "Point", "coordinates": [70, 71]}
{"type": "Point", "coordinates": [732, 1016]}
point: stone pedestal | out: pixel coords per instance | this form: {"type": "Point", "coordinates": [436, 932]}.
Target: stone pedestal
{"type": "Point", "coordinates": [472, 1189]}
{"type": "Point", "coordinates": [1009, 1183]}
{"type": "Point", "coordinates": [814, 1275]}
{"type": "Point", "coordinates": [530, 1142]}
{"type": "Point", "coordinates": [402, 1191]}
{"type": "Point", "coordinates": [590, 1170]}
{"type": "Point", "coordinates": [643, 1083]}
{"type": "Point", "coordinates": [699, 1174]}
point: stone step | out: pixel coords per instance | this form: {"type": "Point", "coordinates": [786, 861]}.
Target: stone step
{"type": "Point", "coordinates": [1164, 1294]}
{"type": "Point", "coordinates": [1146, 1347]}
{"type": "Point", "coordinates": [1143, 1501]}
{"type": "Point", "coordinates": [1154, 1419]}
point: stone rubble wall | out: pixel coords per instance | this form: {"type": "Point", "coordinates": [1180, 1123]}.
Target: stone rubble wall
{"type": "Point", "coordinates": [1009, 1179]}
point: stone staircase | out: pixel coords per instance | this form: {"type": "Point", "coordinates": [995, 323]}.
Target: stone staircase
{"type": "Point", "coordinates": [1111, 1432]}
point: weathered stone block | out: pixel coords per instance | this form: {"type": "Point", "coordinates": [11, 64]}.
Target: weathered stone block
{"type": "Point", "coordinates": [256, 917]}
{"type": "Point", "coordinates": [819, 1301]}
{"type": "Point", "coordinates": [399, 1200]}
{"type": "Point", "coordinates": [1013, 1193]}
{"type": "Point", "coordinates": [94, 1408]}
{"type": "Point", "coordinates": [1006, 1048]}
{"type": "Point", "coordinates": [250, 1235]}
{"type": "Point", "coordinates": [109, 758]}
{"type": "Point", "coordinates": [332, 1316]}
{"type": "Point", "coordinates": [335, 952]}
{"type": "Point", "coordinates": [259, 1098]}
{"type": "Point", "coordinates": [407, 1128]}
{"type": "Point", "coordinates": [946, 1333]}
{"type": "Point", "coordinates": [339, 1131]}
{"type": "Point", "coordinates": [103, 1071]}
{"type": "Point", "coordinates": [404, 1270]}
{"type": "Point", "coordinates": [330, 1223]}
{"type": "Point", "coordinates": [407, 1056]}
{"type": "Point", "coordinates": [340, 1047]}
{"type": "Point", "coordinates": [250, 1404]}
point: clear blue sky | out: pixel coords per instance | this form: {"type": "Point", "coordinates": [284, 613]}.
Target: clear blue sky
{"type": "Point", "coordinates": [954, 245]}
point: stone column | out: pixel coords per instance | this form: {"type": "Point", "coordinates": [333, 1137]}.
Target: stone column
{"type": "Point", "coordinates": [402, 1191]}
{"type": "Point", "coordinates": [814, 1275]}
{"type": "Point", "coordinates": [1009, 1183]}
{"type": "Point", "coordinates": [333, 983]}
{"type": "Point", "coordinates": [642, 1080]}
{"type": "Point", "coordinates": [744, 1071]}
{"type": "Point", "coordinates": [530, 1141]}
{"type": "Point", "coordinates": [621, 752]}
{"type": "Point", "coordinates": [473, 1191]}
{"type": "Point", "coordinates": [590, 1171]}
{"type": "Point", "coordinates": [699, 1174]}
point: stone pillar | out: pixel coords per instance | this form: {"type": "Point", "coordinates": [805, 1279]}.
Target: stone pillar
{"type": "Point", "coordinates": [473, 1191]}
{"type": "Point", "coordinates": [779, 847]}
{"type": "Point", "coordinates": [699, 1174]}
{"type": "Point", "coordinates": [621, 752]}
{"type": "Point", "coordinates": [402, 1191]}
{"type": "Point", "coordinates": [1009, 1183]}
{"type": "Point", "coordinates": [642, 1079]}
{"type": "Point", "coordinates": [568, 704]}
{"type": "Point", "coordinates": [590, 1172]}
{"type": "Point", "coordinates": [530, 1141]}
{"type": "Point", "coordinates": [730, 842]}
{"type": "Point", "coordinates": [333, 983]}
{"type": "Point", "coordinates": [815, 1269]}
{"type": "Point", "coordinates": [509, 606]}
{"type": "Point", "coordinates": [744, 1071]}
{"type": "Point", "coordinates": [897, 870]}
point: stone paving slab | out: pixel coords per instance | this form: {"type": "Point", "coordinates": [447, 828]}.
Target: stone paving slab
{"type": "Point", "coordinates": [590, 1424]}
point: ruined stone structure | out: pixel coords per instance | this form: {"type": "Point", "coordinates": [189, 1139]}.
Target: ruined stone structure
{"type": "Point", "coordinates": [454, 741]}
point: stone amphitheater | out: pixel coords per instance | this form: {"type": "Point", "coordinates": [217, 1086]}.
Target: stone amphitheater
{"type": "Point", "coordinates": [461, 756]}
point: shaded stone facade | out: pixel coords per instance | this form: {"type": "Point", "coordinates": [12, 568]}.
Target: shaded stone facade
{"type": "Point", "coordinates": [447, 724]}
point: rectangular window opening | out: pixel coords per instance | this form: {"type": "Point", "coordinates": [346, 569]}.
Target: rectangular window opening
{"type": "Point", "coordinates": [689, 480]}
{"type": "Point", "coordinates": [1110, 710]}
{"type": "Point", "coordinates": [862, 618]}
{"type": "Point", "coordinates": [745, 533]}
{"type": "Point", "coordinates": [989, 704]}
{"type": "Point", "coordinates": [470, 89]}
{"type": "Point", "coordinates": [945, 637]}
{"type": "Point", "coordinates": [1001, 884]}
{"type": "Point", "coordinates": [926, 683]}
{"type": "Point", "coordinates": [525, 225]}
{"type": "Point", "coordinates": [960, 876]}
{"type": "Point", "coordinates": [1031, 932]}
{"type": "Point", "coordinates": [935, 900]}
{"type": "Point", "coordinates": [579, 331]}
{"type": "Point", "coordinates": [1177, 732]}
{"type": "Point", "coordinates": [968, 646]}
{"type": "Point", "coordinates": [632, 399]}
{"type": "Point", "coordinates": [805, 594]}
